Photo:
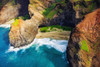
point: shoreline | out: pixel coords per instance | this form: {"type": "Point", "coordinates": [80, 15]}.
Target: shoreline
{"type": "Point", "coordinates": [40, 42]}
{"type": "Point", "coordinates": [64, 35]}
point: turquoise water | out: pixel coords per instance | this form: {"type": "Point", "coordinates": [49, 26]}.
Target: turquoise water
{"type": "Point", "coordinates": [41, 53]}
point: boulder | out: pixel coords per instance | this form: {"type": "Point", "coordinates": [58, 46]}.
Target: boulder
{"type": "Point", "coordinates": [22, 32]}
{"type": "Point", "coordinates": [84, 44]}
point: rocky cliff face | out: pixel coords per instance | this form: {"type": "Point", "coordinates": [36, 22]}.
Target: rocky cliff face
{"type": "Point", "coordinates": [22, 32]}
{"type": "Point", "coordinates": [83, 7]}
{"type": "Point", "coordinates": [84, 43]}
{"type": "Point", "coordinates": [10, 9]}
{"type": "Point", "coordinates": [47, 12]}
{"type": "Point", "coordinates": [52, 12]}
{"type": "Point", "coordinates": [42, 13]}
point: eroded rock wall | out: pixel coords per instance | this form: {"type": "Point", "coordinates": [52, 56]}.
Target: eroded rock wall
{"type": "Point", "coordinates": [84, 44]}
{"type": "Point", "coordinates": [22, 32]}
{"type": "Point", "coordinates": [83, 7]}
{"type": "Point", "coordinates": [10, 9]}
{"type": "Point", "coordinates": [50, 12]}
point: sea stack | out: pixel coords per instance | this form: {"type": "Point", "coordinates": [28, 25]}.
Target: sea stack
{"type": "Point", "coordinates": [22, 32]}
{"type": "Point", "coordinates": [84, 44]}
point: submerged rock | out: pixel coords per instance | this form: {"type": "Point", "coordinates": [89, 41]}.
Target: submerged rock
{"type": "Point", "coordinates": [84, 44]}
{"type": "Point", "coordinates": [22, 32]}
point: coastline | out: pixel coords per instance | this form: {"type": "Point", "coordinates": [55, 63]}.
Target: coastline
{"type": "Point", "coordinates": [64, 35]}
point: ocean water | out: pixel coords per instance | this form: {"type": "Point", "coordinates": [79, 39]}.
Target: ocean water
{"type": "Point", "coordinates": [45, 52]}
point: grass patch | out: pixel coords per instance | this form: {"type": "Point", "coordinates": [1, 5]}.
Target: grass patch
{"type": "Point", "coordinates": [58, 0]}
{"type": "Point", "coordinates": [76, 6]}
{"type": "Point", "coordinates": [23, 17]}
{"type": "Point", "coordinates": [13, 1]}
{"type": "Point", "coordinates": [88, 0]}
{"type": "Point", "coordinates": [48, 10]}
{"type": "Point", "coordinates": [52, 10]}
{"type": "Point", "coordinates": [52, 28]}
{"type": "Point", "coordinates": [15, 22]}
{"type": "Point", "coordinates": [91, 7]}
{"type": "Point", "coordinates": [84, 46]}
{"type": "Point", "coordinates": [51, 14]}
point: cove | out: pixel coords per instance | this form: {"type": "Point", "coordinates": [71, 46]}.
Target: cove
{"type": "Point", "coordinates": [44, 52]}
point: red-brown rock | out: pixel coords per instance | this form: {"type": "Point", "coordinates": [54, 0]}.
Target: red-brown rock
{"type": "Point", "coordinates": [84, 44]}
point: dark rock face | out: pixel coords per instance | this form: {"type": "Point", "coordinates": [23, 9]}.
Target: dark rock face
{"type": "Point", "coordinates": [84, 44]}
{"type": "Point", "coordinates": [22, 33]}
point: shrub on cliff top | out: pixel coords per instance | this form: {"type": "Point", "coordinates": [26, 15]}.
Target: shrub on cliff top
{"type": "Point", "coordinates": [52, 28]}
{"type": "Point", "coordinates": [53, 9]}
{"type": "Point", "coordinates": [58, 0]}
{"type": "Point", "coordinates": [23, 17]}
{"type": "Point", "coordinates": [48, 10]}
{"type": "Point", "coordinates": [15, 23]}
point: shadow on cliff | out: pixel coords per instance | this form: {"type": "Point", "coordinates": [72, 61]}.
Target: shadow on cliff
{"type": "Point", "coordinates": [23, 8]}
{"type": "Point", "coordinates": [66, 18]}
{"type": "Point", "coordinates": [69, 13]}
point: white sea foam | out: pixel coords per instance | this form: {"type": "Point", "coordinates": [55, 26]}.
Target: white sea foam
{"type": "Point", "coordinates": [59, 45]}
{"type": "Point", "coordinates": [5, 25]}
{"type": "Point", "coordinates": [11, 48]}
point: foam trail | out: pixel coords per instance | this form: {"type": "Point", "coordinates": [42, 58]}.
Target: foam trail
{"type": "Point", "coordinates": [59, 45]}
{"type": "Point", "coordinates": [5, 25]}
{"type": "Point", "coordinates": [11, 49]}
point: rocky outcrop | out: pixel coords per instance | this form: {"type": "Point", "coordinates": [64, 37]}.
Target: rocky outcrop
{"type": "Point", "coordinates": [8, 12]}
{"type": "Point", "coordinates": [22, 32]}
{"type": "Point", "coordinates": [83, 7]}
{"type": "Point", "coordinates": [84, 44]}
{"type": "Point", "coordinates": [42, 13]}
{"type": "Point", "coordinates": [10, 9]}
{"type": "Point", "coordinates": [47, 12]}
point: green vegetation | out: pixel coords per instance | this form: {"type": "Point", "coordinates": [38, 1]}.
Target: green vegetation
{"type": "Point", "coordinates": [91, 7]}
{"type": "Point", "coordinates": [88, 0]}
{"type": "Point", "coordinates": [77, 6]}
{"type": "Point", "coordinates": [15, 23]}
{"type": "Point", "coordinates": [54, 27]}
{"type": "Point", "coordinates": [84, 45]}
{"type": "Point", "coordinates": [48, 10]}
{"type": "Point", "coordinates": [52, 10]}
{"type": "Point", "coordinates": [23, 17]}
{"type": "Point", "coordinates": [76, 0]}
{"type": "Point", "coordinates": [51, 14]}
{"type": "Point", "coordinates": [81, 0]}
{"type": "Point", "coordinates": [13, 1]}
{"type": "Point", "coordinates": [58, 0]}
{"type": "Point", "coordinates": [0, 4]}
